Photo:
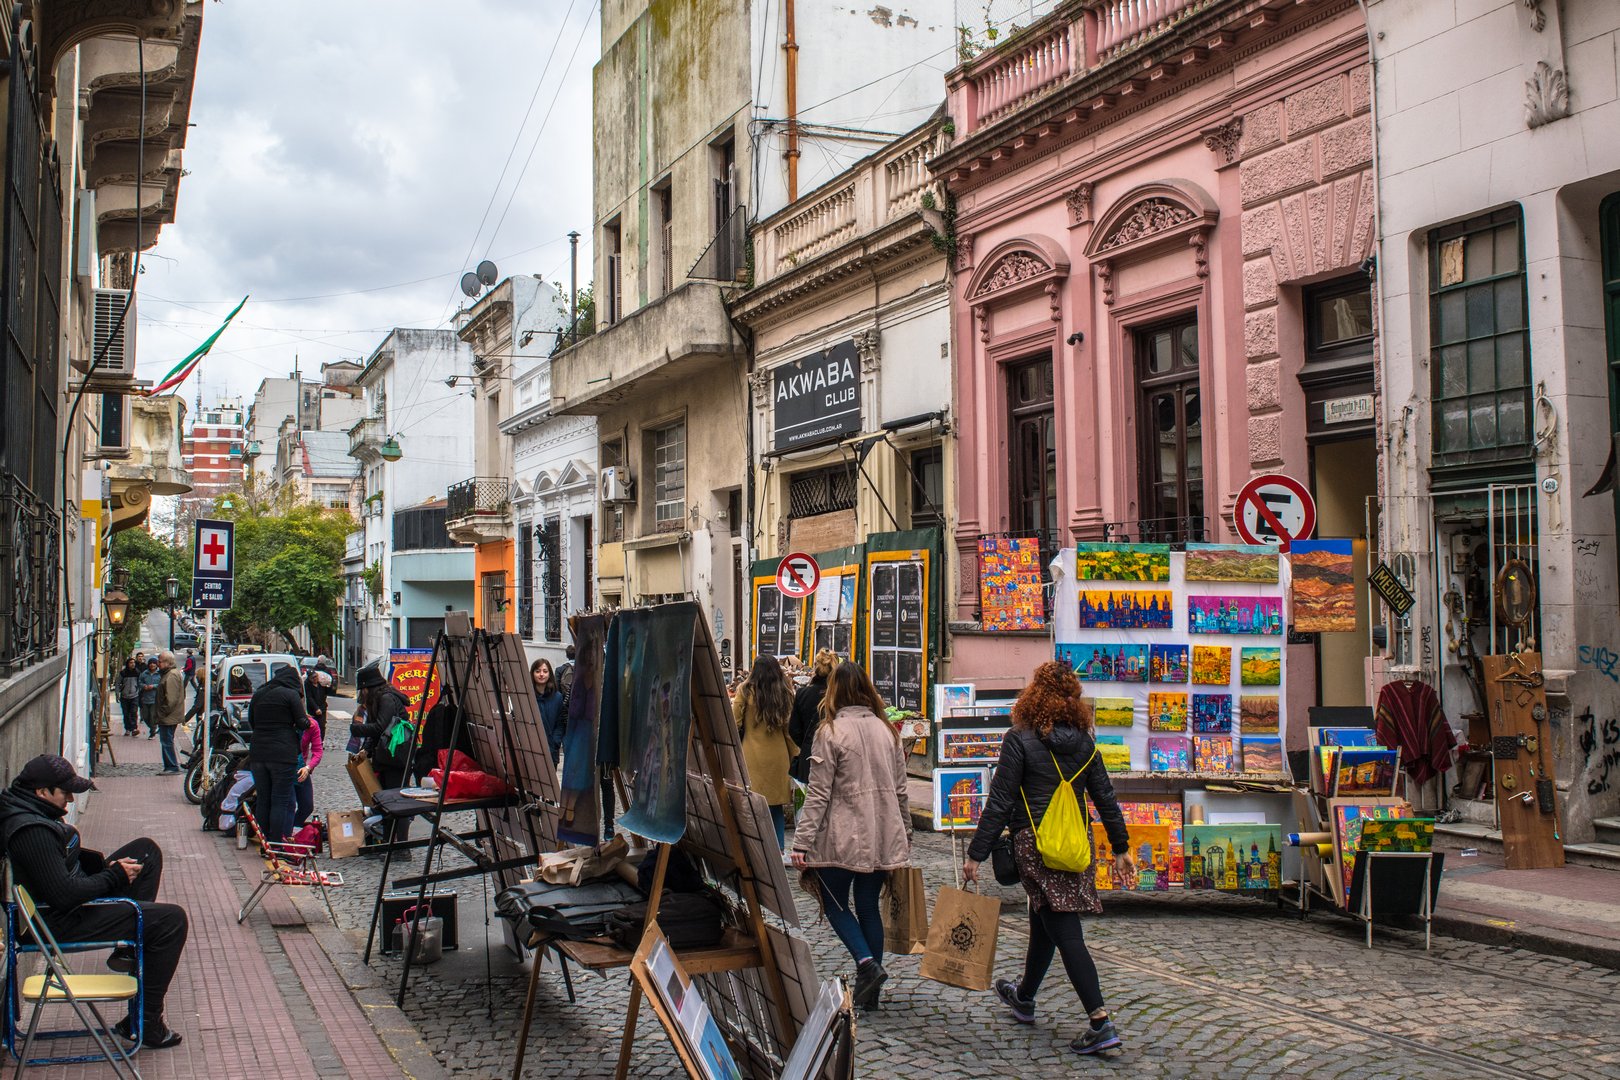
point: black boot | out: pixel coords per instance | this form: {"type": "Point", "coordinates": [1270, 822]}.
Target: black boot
{"type": "Point", "coordinates": [869, 979]}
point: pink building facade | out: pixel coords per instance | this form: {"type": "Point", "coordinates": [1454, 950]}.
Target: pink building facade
{"type": "Point", "coordinates": [1163, 210]}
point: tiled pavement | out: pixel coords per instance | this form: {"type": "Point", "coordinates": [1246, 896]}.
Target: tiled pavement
{"type": "Point", "coordinates": [1201, 986]}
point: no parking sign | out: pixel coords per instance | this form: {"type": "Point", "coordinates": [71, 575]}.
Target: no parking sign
{"type": "Point", "coordinates": [1274, 509]}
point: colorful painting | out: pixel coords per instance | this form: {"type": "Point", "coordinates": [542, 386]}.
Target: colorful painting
{"type": "Point", "coordinates": [1261, 666]}
{"type": "Point", "coordinates": [655, 715]}
{"type": "Point", "coordinates": [1212, 713]}
{"type": "Point", "coordinates": [951, 697]}
{"type": "Point", "coordinates": [1211, 665]}
{"type": "Point", "coordinates": [1144, 609]}
{"type": "Point", "coordinates": [1259, 714]}
{"type": "Point", "coordinates": [581, 819]}
{"type": "Point", "coordinates": [959, 795]}
{"type": "Point", "coordinates": [1106, 662]}
{"type": "Point", "coordinates": [1262, 754]}
{"type": "Point", "coordinates": [1322, 769]}
{"type": "Point", "coordinates": [1348, 816]}
{"type": "Point", "coordinates": [963, 746]}
{"type": "Point", "coordinates": [1393, 834]}
{"type": "Point", "coordinates": [1167, 711]}
{"type": "Point", "coordinates": [1234, 615]}
{"type": "Point", "coordinates": [1122, 562]}
{"type": "Point", "coordinates": [1233, 858]}
{"type": "Point", "coordinates": [1365, 770]}
{"type": "Point", "coordinates": [1011, 595]}
{"type": "Point", "coordinates": [1116, 756]}
{"type": "Point", "coordinates": [1346, 736]}
{"type": "Point", "coordinates": [1213, 754]}
{"type": "Point", "coordinates": [1151, 846]}
{"type": "Point", "coordinates": [1159, 813]}
{"type": "Point", "coordinates": [1114, 711]}
{"type": "Point", "coordinates": [1168, 664]}
{"type": "Point", "coordinates": [1232, 562]}
{"type": "Point", "coordinates": [1324, 589]}
{"type": "Point", "coordinates": [1169, 753]}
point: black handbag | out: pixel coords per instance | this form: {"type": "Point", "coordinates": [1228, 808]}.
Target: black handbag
{"type": "Point", "coordinates": [566, 911]}
{"type": "Point", "coordinates": [688, 921]}
{"type": "Point", "coordinates": [1003, 863]}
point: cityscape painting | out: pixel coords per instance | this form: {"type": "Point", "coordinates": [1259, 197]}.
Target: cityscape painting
{"type": "Point", "coordinates": [1234, 615]}
{"type": "Point", "coordinates": [1233, 858]}
{"type": "Point", "coordinates": [1168, 664]}
{"type": "Point", "coordinates": [1147, 609]}
{"type": "Point", "coordinates": [1105, 662]}
{"type": "Point", "coordinates": [1167, 712]}
{"type": "Point", "coordinates": [1211, 665]}
{"type": "Point", "coordinates": [1212, 714]}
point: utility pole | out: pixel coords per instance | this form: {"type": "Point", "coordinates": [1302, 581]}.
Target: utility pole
{"type": "Point", "coordinates": [573, 287]}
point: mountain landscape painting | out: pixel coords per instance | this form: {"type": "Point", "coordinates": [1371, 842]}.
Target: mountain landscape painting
{"type": "Point", "coordinates": [1324, 586]}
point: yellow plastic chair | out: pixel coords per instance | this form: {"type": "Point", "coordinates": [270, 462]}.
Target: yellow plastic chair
{"type": "Point", "coordinates": [82, 992]}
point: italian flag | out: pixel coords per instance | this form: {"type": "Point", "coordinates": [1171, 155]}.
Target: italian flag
{"type": "Point", "coordinates": [181, 371]}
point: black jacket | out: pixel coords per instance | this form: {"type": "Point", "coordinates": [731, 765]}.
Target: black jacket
{"type": "Point", "coordinates": [46, 857]}
{"type": "Point", "coordinates": [315, 695]}
{"type": "Point", "coordinates": [391, 705]}
{"type": "Point", "coordinates": [276, 715]}
{"type": "Point", "coordinates": [802, 725]}
{"type": "Point", "coordinates": [1027, 762]}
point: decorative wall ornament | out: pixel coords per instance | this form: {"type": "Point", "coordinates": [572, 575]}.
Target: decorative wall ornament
{"type": "Point", "coordinates": [1546, 95]}
{"type": "Point", "coordinates": [1148, 217]}
{"type": "Point", "coordinates": [1538, 17]}
{"type": "Point", "coordinates": [1199, 242]}
{"type": "Point", "coordinates": [982, 313]}
{"type": "Point", "coordinates": [1079, 203]}
{"type": "Point", "coordinates": [866, 346]}
{"type": "Point", "coordinates": [1105, 275]}
{"type": "Point", "coordinates": [760, 382]}
{"type": "Point", "coordinates": [1013, 268]}
{"type": "Point", "coordinates": [1052, 292]}
{"type": "Point", "coordinates": [1223, 140]}
{"type": "Point", "coordinates": [964, 251]}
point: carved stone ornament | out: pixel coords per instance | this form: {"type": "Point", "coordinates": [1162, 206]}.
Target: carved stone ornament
{"type": "Point", "coordinates": [1546, 96]}
{"type": "Point", "coordinates": [1105, 276]}
{"type": "Point", "coordinates": [1199, 242]}
{"type": "Point", "coordinates": [964, 251]}
{"type": "Point", "coordinates": [1538, 18]}
{"type": "Point", "coordinates": [1079, 203]}
{"type": "Point", "coordinates": [1013, 268]}
{"type": "Point", "coordinates": [1148, 217]}
{"type": "Point", "coordinates": [760, 382]}
{"type": "Point", "coordinates": [1223, 140]}
{"type": "Point", "coordinates": [866, 345]}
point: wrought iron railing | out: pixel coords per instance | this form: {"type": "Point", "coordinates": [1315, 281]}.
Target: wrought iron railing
{"type": "Point", "coordinates": [1175, 531]}
{"type": "Point", "coordinates": [30, 551]}
{"type": "Point", "coordinates": [478, 495]}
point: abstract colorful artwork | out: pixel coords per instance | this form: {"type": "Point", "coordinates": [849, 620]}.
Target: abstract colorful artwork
{"type": "Point", "coordinates": [1234, 615]}
{"type": "Point", "coordinates": [1114, 711]}
{"type": "Point", "coordinates": [1212, 713]}
{"type": "Point", "coordinates": [1346, 816]}
{"type": "Point", "coordinates": [1346, 736]}
{"type": "Point", "coordinates": [1116, 756]}
{"type": "Point", "coordinates": [1168, 664]}
{"type": "Point", "coordinates": [1259, 714]}
{"type": "Point", "coordinates": [1011, 596]}
{"type": "Point", "coordinates": [1232, 562]}
{"type": "Point", "coordinates": [1365, 770]}
{"type": "Point", "coordinates": [1324, 588]}
{"type": "Point", "coordinates": [581, 819]}
{"type": "Point", "coordinates": [1262, 754]}
{"type": "Point", "coordinates": [1213, 754]}
{"type": "Point", "coordinates": [1106, 662]}
{"type": "Point", "coordinates": [1233, 858]}
{"type": "Point", "coordinates": [1144, 609]}
{"type": "Point", "coordinates": [1211, 665]}
{"type": "Point", "coordinates": [1122, 562]}
{"type": "Point", "coordinates": [1261, 666]}
{"type": "Point", "coordinates": [1150, 843]}
{"type": "Point", "coordinates": [1394, 834]}
{"type": "Point", "coordinates": [959, 795]}
{"type": "Point", "coordinates": [964, 746]}
{"type": "Point", "coordinates": [1158, 813]}
{"type": "Point", "coordinates": [1167, 711]}
{"type": "Point", "coordinates": [1169, 753]}
{"type": "Point", "coordinates": [655, 715]}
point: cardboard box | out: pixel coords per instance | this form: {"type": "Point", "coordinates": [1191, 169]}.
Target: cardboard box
{"type": "Point", "coordinates": [346, 832]}
{"type": "Point", "coordinates": [364, 778]}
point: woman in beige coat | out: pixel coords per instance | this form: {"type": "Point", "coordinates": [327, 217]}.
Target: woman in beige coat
{"type": "Point", "coordinates": [763, 706]}
{"type": "Point", "coordinates": [855, 826]}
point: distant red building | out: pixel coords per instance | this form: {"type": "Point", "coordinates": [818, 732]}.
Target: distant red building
{"type": "Point", "coordinates": [212, 451]}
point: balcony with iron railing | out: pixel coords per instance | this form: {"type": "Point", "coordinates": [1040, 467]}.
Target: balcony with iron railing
{"type": "Point", "coordinates": [366, 439]}
{"type": "Point", "coordinates": [480, 510]}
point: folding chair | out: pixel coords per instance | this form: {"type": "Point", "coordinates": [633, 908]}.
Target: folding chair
{"type": "Point", "coordinates": [80, 991]}
{"type": "Point", "coordinates": [17, 945]}
{"type": "Point", "coordinates": [291, 865]}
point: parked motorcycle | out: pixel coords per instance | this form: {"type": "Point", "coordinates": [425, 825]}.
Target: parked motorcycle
{"type": "Point", "coordinates": [228, 751]}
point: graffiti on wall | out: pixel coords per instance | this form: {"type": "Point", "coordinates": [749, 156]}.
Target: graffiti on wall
{"type": "Point", "coordinates": [1600, 750]}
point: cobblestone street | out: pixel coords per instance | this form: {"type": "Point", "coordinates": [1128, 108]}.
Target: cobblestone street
{"type": "Point", "coordinates": [1200, 987]}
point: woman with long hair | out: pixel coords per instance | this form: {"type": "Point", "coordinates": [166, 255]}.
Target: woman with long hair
{"type": "Point", "coordinates": [855, 826]}
{"type": "Point", "coordinates": [1050, 744]}
{"type": "Point", "coordinates": [763, 706]}
{"type": "Point", "coordinates": [549, 696]}
{"type": "Point", "coordinates": [807, 711]}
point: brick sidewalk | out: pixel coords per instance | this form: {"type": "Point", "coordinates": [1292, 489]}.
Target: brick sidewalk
{"type": "Point", "coordinates": [264, 999]}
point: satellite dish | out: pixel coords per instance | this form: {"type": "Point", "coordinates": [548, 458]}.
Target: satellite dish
{"type": "Point", "coordinates": [469, 283]}
{"type": "Point", "coordinates": [487, 272]}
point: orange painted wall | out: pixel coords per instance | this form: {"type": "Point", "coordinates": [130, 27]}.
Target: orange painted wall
{"type": "Point", "coordinates": [497, 558]}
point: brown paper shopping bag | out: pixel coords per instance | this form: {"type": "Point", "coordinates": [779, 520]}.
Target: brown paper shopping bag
{"type": "Point", "coordinates": [905, 911]}
{"type": "Point", "coordinates": [962, 939]}
{"type": "Point", "coordinates": [364, 778]}
{"type": "Point", "coordinates": [346, 832]}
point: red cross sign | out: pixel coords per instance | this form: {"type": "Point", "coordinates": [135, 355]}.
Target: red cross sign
{"type": "Point", "coordinates": [213, 550]}
{"type": "Point", "coordinates": [213, 564]}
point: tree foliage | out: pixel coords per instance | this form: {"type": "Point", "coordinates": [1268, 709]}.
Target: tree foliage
{"type": "Point", "coordinates": [150, 562]}
{"type": "Point", "coordinates": [289, 567]}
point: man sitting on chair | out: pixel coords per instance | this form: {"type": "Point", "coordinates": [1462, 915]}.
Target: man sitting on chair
{"type": "Point", "coordinates": [60, 874]}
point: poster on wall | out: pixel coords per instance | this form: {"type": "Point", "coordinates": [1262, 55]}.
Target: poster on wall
{"type": "Point", "coordinates": [408, 672]}
{"type": "Point", "coordinates": [1179, 652]}
{"type": "Point", "coordinates": [776, 617]}
{"type": "Point", "coordinates": [1011, 595]}
{"type": "Point", "coordinates": [897, 637]}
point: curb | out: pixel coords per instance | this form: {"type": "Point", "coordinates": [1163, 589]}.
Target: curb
{"type": "Point", "coordinates": [1532, 939]}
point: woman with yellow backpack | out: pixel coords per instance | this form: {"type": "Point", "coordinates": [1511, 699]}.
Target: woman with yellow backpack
{"type": "Point", "coordinates": [1048, 763]}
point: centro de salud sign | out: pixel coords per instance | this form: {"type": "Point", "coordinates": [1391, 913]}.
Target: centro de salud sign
{"type": "Point", "coordinates": [817, 398]}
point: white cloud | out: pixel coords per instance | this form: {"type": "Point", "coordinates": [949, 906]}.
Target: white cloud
{"type": "Point", "coordinates": [344, 146]}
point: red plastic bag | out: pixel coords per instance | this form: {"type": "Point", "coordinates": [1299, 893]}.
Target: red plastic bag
{"type": "Point", "coordinates": [460, 763]}
{"type": "Point", "coordinates": [470, 784]}
{"type": "Point", "coordinates": [309, 836]}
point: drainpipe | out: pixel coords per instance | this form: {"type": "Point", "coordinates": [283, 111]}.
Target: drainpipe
{"type": "Point", "coordinates": [790, 45]}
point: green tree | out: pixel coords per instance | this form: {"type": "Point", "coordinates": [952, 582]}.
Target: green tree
{"type": "Point", "coordinates": [289, 568]}
{"type": "Point", "coordinates": [150, 562]}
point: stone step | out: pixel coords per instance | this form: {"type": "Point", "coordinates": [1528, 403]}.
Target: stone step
{"type": "Point", "coordinates": [1459, 836]}
{"type": "Point", "coordinates": [1475, 811]}
{"type": "Point", "coordinates": [1608, 829]}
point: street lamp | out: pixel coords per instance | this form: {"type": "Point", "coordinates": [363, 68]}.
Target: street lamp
{"type": "Point", "coordinates": [116, 605]}
{"type": "Point", "coordinates": [171, 589]}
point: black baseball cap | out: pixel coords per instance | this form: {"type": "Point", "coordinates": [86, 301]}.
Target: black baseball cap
{"type": "Point", "coordinates": [50, 771]}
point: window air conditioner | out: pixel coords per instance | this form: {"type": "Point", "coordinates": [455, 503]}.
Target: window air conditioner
{"type": "Point", "coordinates": [616, 485]}
{"type": "Point", "coordinates": [112, 349]}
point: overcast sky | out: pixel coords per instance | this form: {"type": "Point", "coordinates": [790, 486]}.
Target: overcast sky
{"type": "Point", "coordinates": [346, 152]}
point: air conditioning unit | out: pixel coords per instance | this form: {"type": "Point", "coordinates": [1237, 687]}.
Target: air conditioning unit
{"type": "Point", "coordinates": [616, 485]}
{"type": "Point", "coordinates": [112, 349]}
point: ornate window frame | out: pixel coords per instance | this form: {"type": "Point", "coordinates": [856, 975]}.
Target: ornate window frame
{"type": "Point", "coordinates": [1146, 219]}
{"type": "Point", "coordinates": [1015, 268]}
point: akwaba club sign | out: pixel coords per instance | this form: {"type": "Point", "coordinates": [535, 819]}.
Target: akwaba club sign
{"type": "Point", "coordinates": [817, 398]}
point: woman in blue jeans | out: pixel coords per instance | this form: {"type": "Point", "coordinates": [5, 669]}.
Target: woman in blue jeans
{"type": "Point", "coordinates": [855, 826]}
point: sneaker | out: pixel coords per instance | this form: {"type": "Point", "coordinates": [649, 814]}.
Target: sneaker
{"type": "Point", "coordinates": [1023, 1011]}
{"type": "Point", "coordinates": [1096, 1040]}
{"type": "Point", "coordinates": [122, 961]}
{"type": "Point", "coordinates": [869, 978]}
{"type": "Point", "coordinates": [157, 1036]}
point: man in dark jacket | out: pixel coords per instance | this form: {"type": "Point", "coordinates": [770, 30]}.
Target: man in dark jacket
{"type": "Point", "coordinates": [802, 722]}
{"type": "Point", "coordinates": [317, 688]}
{"type": "Point", "coordinates": [277, 718]}
{"type": "Point", "coordinates": [62, 876]}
